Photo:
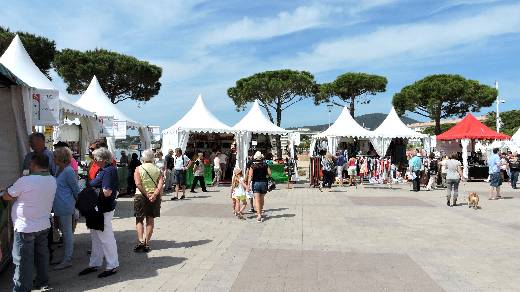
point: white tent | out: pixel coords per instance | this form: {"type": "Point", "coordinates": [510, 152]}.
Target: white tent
{"type": "Point", "coordinates": [344, 126]}
{"type": "Point", "coordinates": [197, 119]}
{"type": "Point", "coordinates": [391, 128]}
{"type": "Point", "coordinates": [254, 122]}
{"type": "Point", "coordinates": [516, 137]}
{"type": "Point", "coordinates": [95, 100]}
{"type": "Point", "coordinates": [18, 61]}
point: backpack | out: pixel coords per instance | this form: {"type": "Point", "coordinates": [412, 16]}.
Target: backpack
{"type": "Point", "coordinates": [434, 166]}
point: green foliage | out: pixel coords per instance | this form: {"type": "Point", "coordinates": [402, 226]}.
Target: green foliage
{"type": "Point", "coordinates": [351, 88]}
{"type": "Point", "coordinates": [121, 76]}
{"type": "Point", "coordinates": [443, 96]}
{"type": "Point", "coordinates": [444, 127]}
{"type": "Point", "coordinates": [275, 90]}
{"type": "Point", "coordinates": [510, 121]}
{"type": "Point", "coordinates": [40, 49]}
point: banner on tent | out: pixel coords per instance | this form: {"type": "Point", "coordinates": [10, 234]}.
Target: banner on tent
{"type": "Point", "coordinates": [155, 133]}
{"type": "Point", "coordinates": [119, 129]}
{"type": "Point", "coordinates": [45, 107]}
{"type": "Point", "coordinates": [105, 126]}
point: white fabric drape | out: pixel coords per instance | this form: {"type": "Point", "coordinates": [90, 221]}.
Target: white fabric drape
{"type": "Point", "coordinates": [243, 140]}
{"type": "Point", "coordinates": [146, 141]}
{"type": "Point", "coordinates": [177, 139]}
{"type": "Point", "coordinates": [381, 145]}
{"type": "Point", "coordinates": [465, 143]}
{"type": "Point", "coordinates": [111, 143]}
{"type": "Point", "coordinates": [332, 144]}
{"type": "Point", "coordinates": [88, 134]}
{"type": "Point", "coordinates": [312, 147]}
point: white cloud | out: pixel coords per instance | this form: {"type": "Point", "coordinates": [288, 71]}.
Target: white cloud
{"type": "Point", "coordinates": [411, 40]}
{"type": "Point", "coordinates": [302, 18]}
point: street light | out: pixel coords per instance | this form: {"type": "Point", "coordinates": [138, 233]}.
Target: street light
{"type": "Point", "coordinates": [329, 107]}
{"type": "Point", "coordinates": [499, 101]}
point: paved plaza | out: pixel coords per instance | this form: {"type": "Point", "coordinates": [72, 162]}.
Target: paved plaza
{"type": "Point", "coordinates": [371, 238]}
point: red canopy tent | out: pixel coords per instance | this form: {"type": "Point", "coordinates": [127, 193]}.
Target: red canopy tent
{"type": "Point", "coordinates": [471, 128]}
{"type": "Point", "coordinates": [467, 130]}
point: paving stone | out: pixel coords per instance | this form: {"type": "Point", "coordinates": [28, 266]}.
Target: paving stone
{"type": "Point", "coordinates": [388, 201]}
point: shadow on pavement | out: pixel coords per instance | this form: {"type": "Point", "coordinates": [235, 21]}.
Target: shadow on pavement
{"type": "Point", "coordinates": [279, 216]}
{"type": "Point", "coordinates": [133, 266]}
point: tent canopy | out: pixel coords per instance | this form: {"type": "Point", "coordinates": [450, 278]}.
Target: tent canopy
{"type": "Point", "coordinates": [393, 127]}
{"type": "Point", "coordinates": [471, 128]}
{"type": "Point", "coordinates": [256, 122]}
{"type": "Point", "coordinates": [516, 136]}
{"type": "Point", "coordinates": [95, 100]}
{"type": "Point", "coordinates": [18, 61]}
{"type": "Point", "coordinates": [346, 126]}
{"type": "Point", "coordinates": [199, 119]}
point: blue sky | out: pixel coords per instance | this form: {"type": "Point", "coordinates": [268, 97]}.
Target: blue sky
{"type": "Point", "coordinates": [205, 46]}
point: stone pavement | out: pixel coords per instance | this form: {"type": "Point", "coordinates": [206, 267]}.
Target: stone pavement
{"type": "Point", "coordinates": [371, 238]}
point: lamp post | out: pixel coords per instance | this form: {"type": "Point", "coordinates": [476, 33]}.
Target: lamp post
{"type": "Point", "coordinates": [499, 101]}
{"type": "Point", "coordinates": [329, 107]}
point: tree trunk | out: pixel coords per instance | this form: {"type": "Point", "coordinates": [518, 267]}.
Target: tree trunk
{"type": "Point", "coordinates": [278, 141]}
{"type": "Point", "coordinates": [438, 125]}
{"type": "Point", "coordinates": [352, 106]}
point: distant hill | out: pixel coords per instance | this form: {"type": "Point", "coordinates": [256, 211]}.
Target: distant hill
{"type": "Point", "coordinates": [370, 121]}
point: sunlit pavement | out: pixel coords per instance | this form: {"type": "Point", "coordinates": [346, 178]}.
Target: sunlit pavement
{"type": "Point", "coordinates": [372, 238]}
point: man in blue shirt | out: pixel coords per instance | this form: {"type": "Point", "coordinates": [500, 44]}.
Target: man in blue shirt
{"type": "Point", "coordinates": [37, 143]}
{"type": "Point", "coordinates": [495, 180]}
{"type": "Point", "coordinates": [415, 165]}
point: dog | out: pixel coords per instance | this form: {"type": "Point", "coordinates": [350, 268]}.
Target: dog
{"type": "Point", "coordinates": [473, 200]}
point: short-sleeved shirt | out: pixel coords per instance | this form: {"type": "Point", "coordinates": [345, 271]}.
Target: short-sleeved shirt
{"type": "Point", "coordinates": [198, 168]}
{"type": "Point", "coordinates": [106, 179]}
{"type": "Point", "coordinates": [494, 163]}
{"type": "Point", "coordinates": [415, 163]}
{"type": "Point", "coordinates": [259, 171]}
{"type": "Point", "coordinates": [216, 162]}
{"type": "Point", "coordinates": [180, 162]}
{"type": "Point", "coordinates": [74, 164]}
{"type": "Point", "coordinates": [452, 169]}
{"type": "Point", "coordinates": [34, 197]}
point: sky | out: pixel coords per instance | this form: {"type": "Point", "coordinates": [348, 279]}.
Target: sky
{"type": "Point", "coordinates": [204, 47]}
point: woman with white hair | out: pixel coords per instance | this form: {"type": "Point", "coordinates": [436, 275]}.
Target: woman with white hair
{"type": "Point", "coordinates": [258, 173]}
{"type": "Point", "coordinates": [64, 201]}
{"type": "Point", "coordinates": [103, 241]}
{"type": "Point", "coordinates": [147, 200]}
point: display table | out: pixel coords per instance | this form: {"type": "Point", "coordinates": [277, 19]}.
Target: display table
{"type": "Point", "coordinates": [208, 175]}
{"type": "Point", "coordinates": [122, 174]}
{"type": "Point", "coordinates": [278, 173]}
{"type": "Point", "coordinates": [478, 172]}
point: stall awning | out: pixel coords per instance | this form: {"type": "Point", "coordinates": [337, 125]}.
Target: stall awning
{"type": "Point", "coordinates": [471, 128]}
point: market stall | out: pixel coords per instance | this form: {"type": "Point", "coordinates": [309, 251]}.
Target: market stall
{"type": "Point", "coordinates": [96, 100]}
{"type": "Point", "coordinates": [464, 135]}
{"type": "Point", "coordinates": [13, 134]}
{"type": "Point", "coordinates": [200, 130]}
{"type": "Point", "coordinates": [392, 138]}
{"type": "Point", "coordinates": [255, 123]}
{"type": "Point", "coordinates": [43, 104]}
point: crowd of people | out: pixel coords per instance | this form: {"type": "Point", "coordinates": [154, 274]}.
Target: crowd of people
{"type": "Point", "coordinates": [47, 200]}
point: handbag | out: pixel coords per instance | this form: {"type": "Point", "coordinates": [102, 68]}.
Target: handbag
{"type": "Point", "coordinates": [271, 185]}
{"type": "Point", "coordinates": [87, 201]}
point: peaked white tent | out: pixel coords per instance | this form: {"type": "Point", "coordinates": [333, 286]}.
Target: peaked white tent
{"type": "Point", "coordinates": [197, 119]}
{"type": "Point", "coordinates": [96, 100]}
{"type": "Point", "coordinates": [18, 61]}
{"type": "Point", "coordinates": [254, 122]}
{"type": "Point", "coordinates": [344, 126]}
{"type": "Point", "coordinates": [392, 127]}
{"type": "Point", "coordinates": [516, 137]}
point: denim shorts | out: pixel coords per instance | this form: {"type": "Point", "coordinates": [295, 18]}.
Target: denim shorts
{"type": "Point", "coordinates": [495, 180]}
{"type": "Point", "coordinates": [260, 187]}
{"type": "Point", "coordinates": [180, 177]}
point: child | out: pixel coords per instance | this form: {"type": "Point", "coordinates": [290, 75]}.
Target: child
{"type": "Point", "coordinates": [289, 170]}
{"type": "Point", "coordinates": [238, 193]}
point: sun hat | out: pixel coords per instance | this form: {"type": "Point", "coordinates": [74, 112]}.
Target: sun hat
{"type": "Point", "coordinates": [258, 156]}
